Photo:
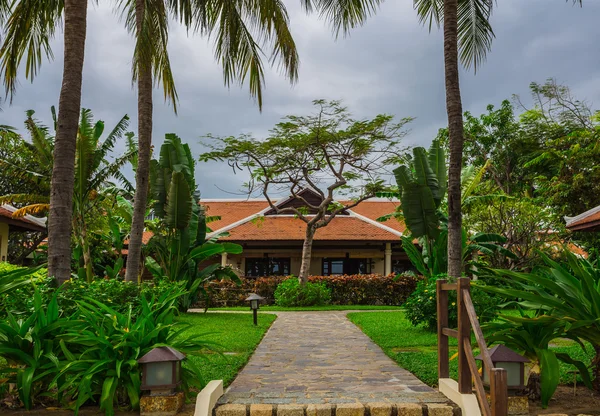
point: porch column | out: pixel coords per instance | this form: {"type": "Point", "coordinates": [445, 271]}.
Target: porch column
{"type": "Point", "coordinates": [224, 259]}
{"type": "Point", "coordinates": [388, 259]}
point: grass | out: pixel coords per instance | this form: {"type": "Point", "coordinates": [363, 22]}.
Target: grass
{"type": "Point", "coordinates": [274, 308]}
{"type": "Point", "coordinates": [235, 337]}
{"type": "Point", "coordinates": [415, 348]}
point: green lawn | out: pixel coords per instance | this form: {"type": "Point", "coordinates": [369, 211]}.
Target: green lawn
{"type": "Point", "coordinates": [415, 349]}
{"type": "Point", "coordinates": [236, 337]}
{"type": "Point", "coordinates": [312, 308]}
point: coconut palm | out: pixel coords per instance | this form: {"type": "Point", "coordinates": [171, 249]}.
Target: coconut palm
{"type": "Point", "coordinates": [29, 26]}
{"type": "Point", "coordinates": [231, 24]}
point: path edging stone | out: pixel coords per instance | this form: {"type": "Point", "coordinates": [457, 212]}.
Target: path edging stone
{"type": "Point", "coordinates": [342, 409]}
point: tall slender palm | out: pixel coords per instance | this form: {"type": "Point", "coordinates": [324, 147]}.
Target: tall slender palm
{"type": "Point", "coordinates": [232, 24]}
{"type": "Point", "coordinates": [29, 27]}
{"type": "Point", "coordinates": [468, 35]}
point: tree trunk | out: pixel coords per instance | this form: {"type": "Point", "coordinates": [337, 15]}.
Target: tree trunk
{"type": "Point", "coordinates": [63, 171]}
{"type": "Point", "coordinates": [306, 254]}
{"type": "Point", "coordinates": [455, 133]}
{"type": "Point", "coordinates": [142, 175]}
{"type": "Point", "coordinates": [87, 256]}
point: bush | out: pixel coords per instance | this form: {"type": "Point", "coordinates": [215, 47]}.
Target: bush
{"type": "Point", "coordinates": [421, 306]}
{"type": "Point", "coordinates": [366, 289]}
{"type": "Point", "coordinates": [291, 293]}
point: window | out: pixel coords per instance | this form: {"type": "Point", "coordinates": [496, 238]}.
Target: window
{"type": "Point", "coordinates": [401, 266]}
{"type": "Point", "coordinates": [345, 266]}
{"type": "Point", "coordinates": [267, 266]}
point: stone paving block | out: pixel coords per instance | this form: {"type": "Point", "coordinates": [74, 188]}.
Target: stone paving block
{"type": "Point", "coordinates": [440, 409]}
{"type": "Point", "coordinates": [261, 410]}
{"type": "Point", "coordinates": [290, 410]}
{"type": "Point", "coordinates": [409, 409]}
{"type": "Point", "coordinates": [350, 409]}
{"type": "Point", "coordinates": [319, 410]}
{"type": "Point", "coordinates": [380, 409]}
{"type": "Point", "coordinates": [231, 410]}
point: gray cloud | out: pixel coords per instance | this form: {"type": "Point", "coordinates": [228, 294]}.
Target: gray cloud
{"type": "Point", "coordinates": [390, 65]}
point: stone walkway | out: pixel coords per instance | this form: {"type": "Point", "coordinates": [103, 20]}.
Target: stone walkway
{"type": "Point", "coordinates": [322, 357]}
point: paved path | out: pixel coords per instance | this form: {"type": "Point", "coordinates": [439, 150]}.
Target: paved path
{"type": "Point", "coordinates": [322, 357]}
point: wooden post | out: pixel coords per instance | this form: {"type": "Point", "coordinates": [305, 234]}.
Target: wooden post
{"type": "Point", "coordinates": [465, 382]}
{"type": "Point", "coordinates": [442, 322]}
{"type": "Point", "coordinates": [499, 391]}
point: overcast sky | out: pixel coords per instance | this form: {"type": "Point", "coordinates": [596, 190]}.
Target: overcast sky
{"type": "Point", "coordinates": [390, 65]}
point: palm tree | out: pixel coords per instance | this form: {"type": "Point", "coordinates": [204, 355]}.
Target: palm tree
{"type": "Point", "coordinates": [235, 47]}
{"type": "Point", "coordinates": [29, 27]}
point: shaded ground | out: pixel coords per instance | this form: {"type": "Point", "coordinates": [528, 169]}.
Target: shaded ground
{"type": "Point", "coordinates": [321, 357]}
{"type": "Point", "coordinates": [566, 401]}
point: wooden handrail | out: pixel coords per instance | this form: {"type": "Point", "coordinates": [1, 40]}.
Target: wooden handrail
{"type": "Point", "coordinates": [450, 332]}
{"type": "Point", "coordinates": [449, 286]}
{"type": "Point", "coordinates": [467, 366]}
{"type": "Point", "coordinates": [479, 389]}
{"type": "Point", "coordinates": [485, 353]}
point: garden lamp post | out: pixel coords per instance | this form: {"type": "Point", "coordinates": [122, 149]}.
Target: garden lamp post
{"type": "Point", "coordinates": [513, 363]}
{"type": "Point", "coordinates": [161, 370]}
{"type": "Point", "coordinates": [254, 300]}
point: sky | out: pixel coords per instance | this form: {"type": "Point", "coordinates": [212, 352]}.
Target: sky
{"type": "Point", "coordinates": [390, 65]}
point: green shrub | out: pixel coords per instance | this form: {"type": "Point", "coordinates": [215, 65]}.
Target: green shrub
{"type": "Point", "coordinates": [360, 289]}
{"type": "Point", "coordinates": [421, 306]}
{"type": "Point", "coordinates": [291, 293]}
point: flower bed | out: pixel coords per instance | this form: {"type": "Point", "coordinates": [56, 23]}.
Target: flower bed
{"type": "Point", "coordinates": [365, 289]}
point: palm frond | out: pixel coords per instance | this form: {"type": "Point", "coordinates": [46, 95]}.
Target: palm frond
{"type": "Point", "coordinates": [343, 15]}
{"type": "Point", "coordinates": [475, 33]}
{"type": "Point", "coordinates": [29, 27]}
{"type": "Point", "coordinates": [24, 199]}
{"type": "Point", "coordinates": [34, 209]}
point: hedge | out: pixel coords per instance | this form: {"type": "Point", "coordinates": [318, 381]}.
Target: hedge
{"type": "Point", "coordinates": [365, 289]}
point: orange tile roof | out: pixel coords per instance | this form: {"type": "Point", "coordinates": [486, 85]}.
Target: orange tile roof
{"type": "Point", "coordinates": [278, 228]}
{"type": "Point", "coordinates": [146, 236]}
{"type": "Point", "coordinates": [26, 223]}
{"type": "Point", "coordinates": [377, 209]}
{"type": "Point", "coordinates": [231, 211]}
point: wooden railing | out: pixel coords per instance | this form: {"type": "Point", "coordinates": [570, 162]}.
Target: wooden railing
{"type": "Point", "coordinates": [467, 367]}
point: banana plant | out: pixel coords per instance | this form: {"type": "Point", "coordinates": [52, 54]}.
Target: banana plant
{"type": "Point", "coordinates": [180, 246]}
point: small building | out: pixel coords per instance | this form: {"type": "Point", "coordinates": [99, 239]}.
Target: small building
{"type": "Point", "coordinates": [9, 224]}
{"type": "Point", "coordinates": [587, 221]}
{"type": "Point", "coordinates": [354, 242]}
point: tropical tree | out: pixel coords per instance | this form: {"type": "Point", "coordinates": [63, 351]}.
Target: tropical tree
{"type": "Point", "coordinates": [328, 152]}
{"type": "Point", "coordinates": [238, 29]}
{"type": "Point", "coordinates": [93, 171]}
{"type": "Point", "coordinates": [18, 19]}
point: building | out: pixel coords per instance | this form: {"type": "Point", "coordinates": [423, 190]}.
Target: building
{"type": "Point", "coordinates": [354, 242]}
{"type": "Point", "coordinates": [587, 221]}
{"type": "Point", "coordinates": [10, 224]}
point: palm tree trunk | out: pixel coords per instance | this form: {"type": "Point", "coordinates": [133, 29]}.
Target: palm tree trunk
{"type": "Point", "coordinates": [63, 171]}
{"type": "Point", "coordinates": [306, 255]}
{"type": "Point", "coordinates": [144, 148]}
{"type": "Point", "coordinates": [455, 133]}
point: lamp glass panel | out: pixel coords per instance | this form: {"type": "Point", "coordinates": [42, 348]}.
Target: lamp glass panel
{"type": "Point", "coordinates": [159, 374]}
{"type": "Point", "coordinates": [513, 373]}
{"type": "Point", "coordinates": [254, 304]}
